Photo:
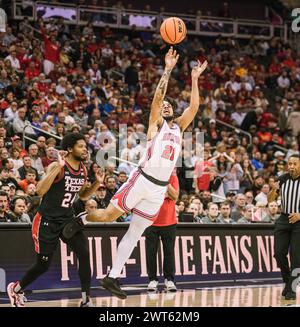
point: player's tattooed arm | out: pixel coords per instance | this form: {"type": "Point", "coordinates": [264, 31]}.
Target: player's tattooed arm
{"type": "Point", "coordinates": [163, 83]}
{"type": "Point", "coordinates": [171, 59]}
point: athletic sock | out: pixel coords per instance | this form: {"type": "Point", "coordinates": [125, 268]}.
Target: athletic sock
{"type": "Point", "coordinates": [85, 298]}
{"type": "Point", "coordinates": [128, 243]}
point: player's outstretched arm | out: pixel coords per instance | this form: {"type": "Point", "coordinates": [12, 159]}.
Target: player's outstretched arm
{"type": "Point", "coordinates": [189, 114]}
{"type": "Point", "coordinates": [171, 59]}
{"type": "Point", "coordinates": [53, 170]}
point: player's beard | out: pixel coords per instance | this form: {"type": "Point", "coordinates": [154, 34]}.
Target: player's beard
{"type": "Point", "coordinates": [168, 118]}
{"type": "Point", "coordinates": [78, 158]}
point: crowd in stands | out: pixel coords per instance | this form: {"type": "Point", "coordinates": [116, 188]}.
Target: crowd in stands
{"type": "Point", "coordinates": [62, 78]}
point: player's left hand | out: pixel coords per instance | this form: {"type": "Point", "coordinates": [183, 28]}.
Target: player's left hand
{"type": "Point", "coordinates": [99, 175]}
{"type": "Point", "coordinates": [294, 217]}
{"type": "Point", "coordinates": [199, 69]}
{"type": "Point", "coordinates": [61, 155]}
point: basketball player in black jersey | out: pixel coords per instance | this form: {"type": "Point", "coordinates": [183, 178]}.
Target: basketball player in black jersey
{"type": "Point", "coordinates": [64, 180]}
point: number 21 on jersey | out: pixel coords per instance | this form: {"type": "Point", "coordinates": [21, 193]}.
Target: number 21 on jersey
{"type": "Point", "coordinates": [169, 152]}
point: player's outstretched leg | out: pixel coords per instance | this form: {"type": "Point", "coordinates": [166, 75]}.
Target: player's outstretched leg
{"type": "Point", "coordinates": [129, 241]}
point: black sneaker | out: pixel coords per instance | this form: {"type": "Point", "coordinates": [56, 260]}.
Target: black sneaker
{"type": "Point", "coordinates": [113, 285]}
{"type": "Point", "coordinates": [86, 304]}
{"type": "Point", "coordinates": [290, 295]}
{"type": "Point", "coordinates": [285, 290]}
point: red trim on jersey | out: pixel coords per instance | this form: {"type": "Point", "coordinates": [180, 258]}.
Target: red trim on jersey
{"type": "Point", "coordinates": [122, 194]}
{"type": "Point", "coordinates": [74, 172]}
{"type": "Point", "coordinates": [150, 149]}
{"type": "Point", "coordinates": [35, 231]}
{"type": "Point", "coordinates": [60, 176]}
{"type": "Point", "coordinates": [144, 214]}
{"type": "Point", "coordinates": [127, 184]}
{"type": "Point", "coordinates": [125, 194]}
{"type": "Point", "coordinates": [84, 171]}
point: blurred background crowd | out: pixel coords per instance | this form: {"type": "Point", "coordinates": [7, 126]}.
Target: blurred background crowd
{"type": "Point", "coordinates": [56, 78]}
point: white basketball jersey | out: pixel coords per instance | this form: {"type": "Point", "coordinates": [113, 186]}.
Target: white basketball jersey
{"type": "Point", "coordinates": [162, 152]}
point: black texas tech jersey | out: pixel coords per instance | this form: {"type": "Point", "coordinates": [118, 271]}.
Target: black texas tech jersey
{"type": "Point", "coordinates": [57, 202]}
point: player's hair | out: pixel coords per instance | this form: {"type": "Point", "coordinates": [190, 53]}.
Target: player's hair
{"type": "Point", "coordinates": [70, 140]}
{"type": "Point", "coordinates": [172, 102]}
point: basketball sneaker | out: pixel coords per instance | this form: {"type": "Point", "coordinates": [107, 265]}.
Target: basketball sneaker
{"type": "Point", "coordinates": [170, 286]}
{"type": "Point", "coordinates": [291, 295]}
{"type": "Point", "coordinates": [16, 299]}
{"type": "Point", "coordinates": [113, 285]}
{"type": "Point", "coordinates": [87, 304]}
{"type": "Point", "coordinates": [285, 290]}
{"type": "Point", "coordinates": [152, 286]}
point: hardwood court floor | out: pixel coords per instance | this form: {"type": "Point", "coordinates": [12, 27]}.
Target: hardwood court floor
{"type": "Point", "coordinates": [235, 296]}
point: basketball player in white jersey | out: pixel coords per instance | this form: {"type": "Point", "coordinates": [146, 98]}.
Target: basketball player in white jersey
{"type": "Point", "coordinates": [147, 186]}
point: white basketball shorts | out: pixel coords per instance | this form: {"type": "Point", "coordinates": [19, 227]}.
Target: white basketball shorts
{"type": "Point", "coordinates": [140, 196]}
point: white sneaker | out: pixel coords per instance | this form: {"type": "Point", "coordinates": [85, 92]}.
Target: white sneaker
{"type": "Point", "coordinates": [170, 286]}
{"type": "Point", "coordinates": [152, 286]}
{"type": "Point", "coordinates": [16, 299]}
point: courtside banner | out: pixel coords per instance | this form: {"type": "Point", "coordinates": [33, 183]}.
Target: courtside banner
{"type": "Point", "coordinates": [202, 253]}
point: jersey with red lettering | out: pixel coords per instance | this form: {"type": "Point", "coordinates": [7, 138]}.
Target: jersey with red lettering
{"type": "Point", "coordinates": [162, 152]}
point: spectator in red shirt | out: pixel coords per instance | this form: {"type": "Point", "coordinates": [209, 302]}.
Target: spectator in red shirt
{"type": "Point", "coordinates": [51, 51]}
{"type": "Point", "coordinates": [31, 71]}
{"type": "Point", "coordinates": [29, 179]}
{"type": "Point", "coordinates": [202, 177]}
{"type": "Point", "coordinates": [50, 157]}
{"type": "Point", "coordinates": [164, 227]}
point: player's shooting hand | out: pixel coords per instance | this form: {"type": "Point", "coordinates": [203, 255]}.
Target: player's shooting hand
{"type": "Point", "coordinates": [171, 58]}
{"type": "Point", "coordinates": [199, 69]}
{"type": "Point", "coordinates": [294, 217]}
{"type": "Point", "coordinates": [61, 155]}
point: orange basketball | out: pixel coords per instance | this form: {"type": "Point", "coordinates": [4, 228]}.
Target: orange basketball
{"type": "Point", "coordinates": [173, 30]}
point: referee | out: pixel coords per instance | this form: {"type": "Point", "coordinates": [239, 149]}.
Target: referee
{"type": "Point", "coordinates": [287, 226]}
